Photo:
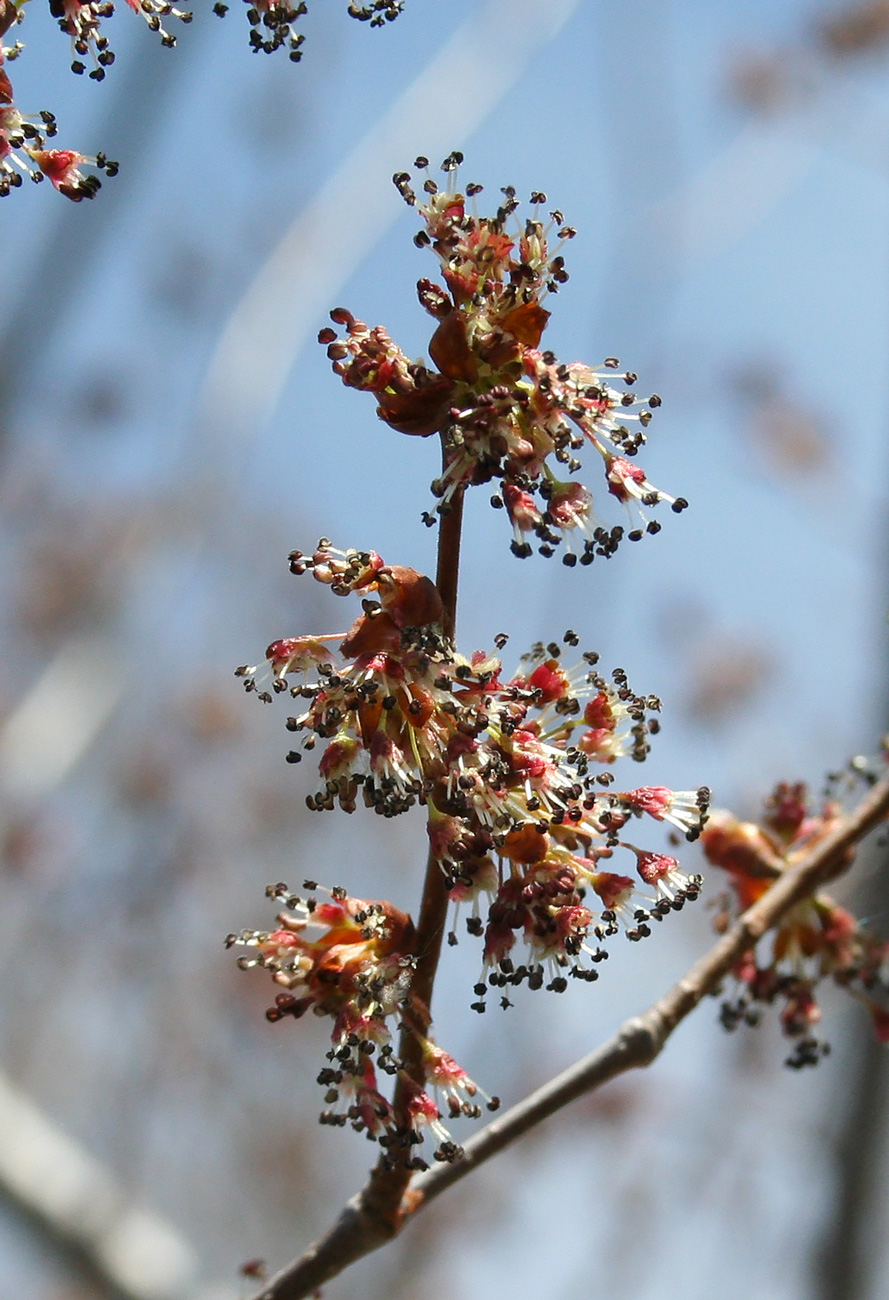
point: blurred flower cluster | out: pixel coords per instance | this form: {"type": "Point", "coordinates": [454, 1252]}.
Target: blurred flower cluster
{"type": "Point", "coordinates": [817, 940]}
{"type": "Point", "coordinates": [506, 409]}
{"type": "Point", "coordinates": [513, 773]}
{"type": "Point", "coordinates": [23, 139]}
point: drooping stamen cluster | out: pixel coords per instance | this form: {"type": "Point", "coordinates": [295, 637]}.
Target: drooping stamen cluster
{"type": "Point", "coordinates": [23, 153]}
{"type": "Point", "coordinates": [154, 12]}
{"type": "Point", "coordinates": [519, 807]}
{"type": "Point", "coordinates": [83, 23]}
{"type": "Point", "coordinates": [23, 150]}
{"type": "Point", "coordinates": [273, 26]}
{"type": "Point", "coordinates": [82, 20]}
{"type": "Point", "coordinates": [377, 13]}
{"type": "Point", "coordinates": [273, 22]}
{"type": "Point", "coordinates": [817, 940]}
{"type": "Point", "coordinates": [504, 407]}
{"type": "Point", "coordinates": [351, 960]}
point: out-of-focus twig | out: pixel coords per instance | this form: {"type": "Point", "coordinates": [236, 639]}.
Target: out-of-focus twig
{"type": "Point", "coordinates": [362, 1228]}
{"type": "Point", "coordinates": [131, 1252]}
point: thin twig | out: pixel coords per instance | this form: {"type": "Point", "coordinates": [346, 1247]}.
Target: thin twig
{"type": "Point", "coordinates": [382, 1198]}
{"type": "Point", "coordinates": [360, 1229]}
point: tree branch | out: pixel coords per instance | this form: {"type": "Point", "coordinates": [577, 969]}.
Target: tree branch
{"type": "Point", "coordinates": [642, 1038]}
{"type": "Point", "coordinates": [377, 1210]}
{"type": "Point", "coordinates": [361, 1229]}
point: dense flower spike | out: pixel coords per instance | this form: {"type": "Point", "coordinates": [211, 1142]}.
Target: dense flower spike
{"type": "Point", "coordinates": [350, 959]}
{"type": "Point", "coordinates": [505, 408]}
{"type": "Point", "coordinates": [520, 811]}
{"type": "Point", "coordinates": [817, 940]}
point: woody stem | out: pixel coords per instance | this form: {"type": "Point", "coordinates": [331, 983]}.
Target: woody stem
{"type": "Point", "coordinates": [387, 1185]}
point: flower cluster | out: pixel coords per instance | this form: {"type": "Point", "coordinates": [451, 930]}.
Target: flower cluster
{"type": "Point", "coordinates": [506, 408]}
{"type": "Point", "coordinates": [23, 153]}
{"type": "Point", "coordinates": [350, 960]}
{"type": "Point", "coordinates": [23, 139]}
{"type": "Point", "coordinates": [82, 21]}
{"type": "Point", "coordinates": [513, 772]}
{"type": "Point", "coordinates": [817, 940]}
{"type": "Point", "coordinates": [273, 22]}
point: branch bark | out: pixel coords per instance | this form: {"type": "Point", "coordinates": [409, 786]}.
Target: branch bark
{"type": "Point", "coordinates": [377, 1210]}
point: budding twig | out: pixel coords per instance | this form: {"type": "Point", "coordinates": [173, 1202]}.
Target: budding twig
{"type": "Point", "coordinates": [387, 1186]}
{"type": "Point", "coordinates": [361, 1228]}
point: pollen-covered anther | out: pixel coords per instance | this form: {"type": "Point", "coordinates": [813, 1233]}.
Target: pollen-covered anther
{"type": "Point", "coordinates": [82, 21]}
{"type": "Point", "coordinates": [377, 12]}
{"type": "Point", "coordinates": [154, 12]}
{"type": "Point", "coordinates": [273, 26]}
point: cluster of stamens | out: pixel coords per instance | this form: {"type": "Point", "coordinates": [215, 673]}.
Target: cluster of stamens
{"type": "Point", "coordinates": [514, 772]}
{"type": "Point", "coordinates": [23, 153]}
{"type": "Point", "coordinates": [350, 960]}
{"type": "Point", "coordinates": [23, 140]}
{"type": "Point", "coordinates": [816, 941]}
{"type": "Point", "coordinates": [82, 21]}
{"type": "Point", "coordinates": [504, 408]}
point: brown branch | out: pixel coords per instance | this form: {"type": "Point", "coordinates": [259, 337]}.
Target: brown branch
{"type": "Point", "coordinates": [448, 571]}
{"type": "Point", "coordinates": [361, 1228]}
{"type": "Point", "coordinates": [381, 1200]}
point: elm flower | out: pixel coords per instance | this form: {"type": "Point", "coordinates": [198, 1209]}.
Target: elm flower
{"type": "Point", "coordinates": [22, 143]}
{"type": "Point", "coordinates": [390, 710]}
{"type": "Point", "coordinates": [451, 1082]}
{"type": "Point", "coordinates": [82, 21]}
{"type": "Point", "coordinates": [348, 959]}
{"type": "Point", "coordinates": [63, 168]}
{"type": "Point", "coordinates": [672, 886]}
{"type": "Point", "coordinates": [505, 408]}
{"type": "Point", "coordinates": [351, 959]}
{"type": "Point", "coordinates": [520, 813]}
{"type": "Point", "coordinates": [683, 809]}
{"type": "Point", "coordinates": [816, 941]}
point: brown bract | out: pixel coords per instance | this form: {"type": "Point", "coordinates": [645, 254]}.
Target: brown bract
{"type": "Point", "coordinates": [419, 412]}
